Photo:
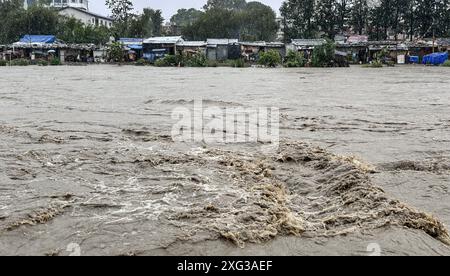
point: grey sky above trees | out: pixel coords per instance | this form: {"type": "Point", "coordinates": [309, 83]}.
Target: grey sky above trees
{"type": "Point", "coordinates": [169, 7]}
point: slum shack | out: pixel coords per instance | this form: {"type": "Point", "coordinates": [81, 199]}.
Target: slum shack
{"type": "Point", "coordinates": [417, 50]}
{"type": "Point", "coordinates": [306, 46]}
{"type": "Point", "coordinates": [222, 49]}
{"type": "Point", "coordinates": [157, 47]}
{"type": "Point", "coordinates": [355, 46]}
{"type": "Point", "coordinates": [250, 51]}
{"type": "Point", "coordinates": [340, 59]}
{"type": "Point", "coordinates": [35, 47]}
{"type": "Point", "coordinates": [443, 44]}
{"type": "Point", "coordinates": [276, 46]}
{"type": "Point", "coordinates": [45, 47]}
{"type": "Point", "coordinates": [77, 52]}
{"type": "Point", "coordinates": [190, 48]}
{"type": "Point", "coordinates": [393, 51]}
{"type": "Point", "coordinates": [133, 48]}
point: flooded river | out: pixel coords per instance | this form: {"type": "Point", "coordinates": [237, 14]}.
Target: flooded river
{"type": "Point", "coordinates": [88, 165]}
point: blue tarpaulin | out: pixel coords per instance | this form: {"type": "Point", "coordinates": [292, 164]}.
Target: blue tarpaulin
{"type": "Point", "coordinates": [414, 59]}
{"type": "Point", "coordinates": [38, 39]}
{"type": "Point", "coordinates": [435, 59]}
{"type": "Point", "coordinates": [126, 40]}
{"type": "Point", "coordinates": [132, 43]}
{"type": "Point", "coordinates": [135, 47]}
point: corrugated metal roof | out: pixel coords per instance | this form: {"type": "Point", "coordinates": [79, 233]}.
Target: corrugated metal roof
{"type": "Point", "coordinates": [275, 44]}
{"type": "Point", "coordinates": [163, 40]}
{"type": "Point", "coordinates": [131, 41]}
{"type": "Point", "coordinates": [308, 42]}
{"type": "Point", "coordinates": [221, 41]}
{"type": "Point", "coordinates": [262, 44]}
{"type": "Point", "coordinates": [192, 44]}
{"type": "Point", "coordinates": [443, 41]}
{"type": "Point", "coordinates": [254, 43]}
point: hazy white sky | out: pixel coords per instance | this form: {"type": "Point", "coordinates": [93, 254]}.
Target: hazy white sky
{"type": "Point", "coordinates": [169, 7]}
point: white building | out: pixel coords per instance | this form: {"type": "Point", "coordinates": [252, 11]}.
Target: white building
{"type": "Point", "coordinates": [81, 4]}
{"type": "Point", "coordinates": [78, 9]}
{"type": "Point", "coordinates": [87, 17]}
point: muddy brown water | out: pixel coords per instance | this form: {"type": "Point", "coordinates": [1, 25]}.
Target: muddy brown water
{"type": "Point", "coordinates": [87, 159]}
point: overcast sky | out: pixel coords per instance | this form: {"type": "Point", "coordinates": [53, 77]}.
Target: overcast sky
{"type": "Point", "coordinates": [169, 7]}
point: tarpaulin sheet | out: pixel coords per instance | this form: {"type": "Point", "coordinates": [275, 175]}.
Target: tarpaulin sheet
{"type": "Point", "coordinates": [38, 39]}
{"type": "Point", "coordinates": [435, 59]}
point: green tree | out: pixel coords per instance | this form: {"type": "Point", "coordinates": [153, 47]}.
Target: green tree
{"type": "Point", "coordinates": [71, 30]}
{"type": "Point", "coordinates": [225, 4]}
{"type": "Point", "coordinates": [186, 17]}
{"type": "Point", "coordinates": [359, 15]}
{"type": "Point", "coordinates": [122, 13]}
{"type": "Point", "coordinates": [258, 22]}
{"type": "Point", "coordinates": [147, 24]}
{"type": "Point", "coordinates": [232, 19]}
{"type": "Point", "coordinates": [343, 14]}
{"type": "Point", "coordinates": [323, 56]}
{"type": "Point", "coordinates": [270, 58]}
{"type": "Point", "coordinates": [299, 19]}
{"type": "Point", "coordinates": [376, 28]}
{"type": "Point", "coordinates": [11, 15]}
{"type": "Point", "coordinates": [294, 59]}
{"type": "Point", "coordinates": [115, 52]}
{"type": "Point", "coordinates": [215, 23]}
{"type": "Point", "coordinates": [326, 17]}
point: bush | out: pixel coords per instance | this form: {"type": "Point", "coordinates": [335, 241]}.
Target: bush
{"type": "Point", "coordinates": [374, 64]}
{"type": "Point", "coordinates": [213, 63]}
{"type": "Point", "coordinates": [237, 63]}
{"type": "Point", "coordinates": [55, 62]}
{"type": "Point", "coordinates": [323, 56]}
{"type": "Point", "coordinates": [446, 63]}
{"type": "Point", "coordinates": [19, 62]}
{"type": "Point", "coordinates": [3, 62]}
{"type": "Point", "coordinates": [270, 58]}
{"type": "Point", "coordinates": [295, 59]}
{"type": "Point", "coordinates": [161, 63]}
{"type": "Point", "coordinates": [197, 60]}
{"type": "Point", "coordinates": [169, 60]}
{"type": "Point", "coordinates": [115, 52]}
{"type": "Point", "coordinates": [141, 62]}
{"type": "Point", "coordinates": [42, 63]}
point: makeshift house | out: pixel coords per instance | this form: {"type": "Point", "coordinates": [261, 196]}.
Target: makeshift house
{"type": "Point", "coordinates": [276, 46]}
{"type": "Point", "coordinates": [355, 46]}
{"type": "Point", "coordinates": [100, 54]}
{"type": "Point", "coordinates": [396, 52]}
{"type": "Point", "coordinates": [223, 49]}
{"type": "Point", "coordinates": [340, 59]}
{"type": "Point", "coordinates": [189, 48]}
{"type": "Point", "coordinates": [36, 46]}
{"type": "Point", "coordinates": [250, 50]}
{"type": "Point", "coordinates": [133, 47]}
{"type": "Point", "coordinates": [305, 45]}
{"type": "Point", "coordinates": [46, 46]}
{"type": "Point", "coordinates": [418, 49]}
{"type": "Point", "coordinates": [158, 47]}
{"type": "Point", "coordinates": [443, 44]}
